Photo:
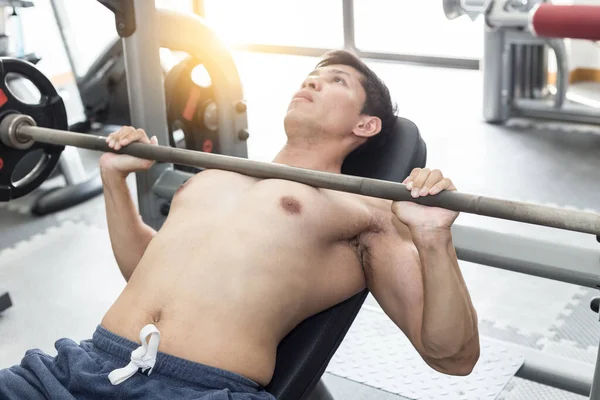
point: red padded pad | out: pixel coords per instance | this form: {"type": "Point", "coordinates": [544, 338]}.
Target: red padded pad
{"type": "Point", "coordinates": [3, 98]}
{"type": "Point", "coordinates": [573, 22]}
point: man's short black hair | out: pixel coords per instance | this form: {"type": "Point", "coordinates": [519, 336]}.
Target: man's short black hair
{"type": "Point", "coordinates": [378, 102]}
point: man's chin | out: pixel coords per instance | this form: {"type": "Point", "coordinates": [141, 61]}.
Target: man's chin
{"type": "Point", "coordinates": [294, 110]}
{"type": "Point", "coordinates": [296, 117]}
{"type": "Point", "coordinates": [300, 103]}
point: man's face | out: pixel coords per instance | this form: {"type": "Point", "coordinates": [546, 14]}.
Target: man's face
{"type": "Point", "coordinates": [329, 102]}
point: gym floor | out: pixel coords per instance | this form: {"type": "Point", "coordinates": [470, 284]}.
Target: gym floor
{"type": "Point", "coordinates": [62, 277]}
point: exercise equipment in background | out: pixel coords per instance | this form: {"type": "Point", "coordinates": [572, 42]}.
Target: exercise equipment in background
{"type": "Point", "coordinates": [12, 43]}
{"type": "Point", "coordinates": [103, 90]}
{"type": "Point", "coordinates": [192, 110]}
{"type": "Point", "coordinates": [78, 186]}
{"type": "Point", "coordinates": [518, 36]}
{"type": "Point", "coordinates": [195, 96]}
{"type": "Point", "coordinates": [16, 178]}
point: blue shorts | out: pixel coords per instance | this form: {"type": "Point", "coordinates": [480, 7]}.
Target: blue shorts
{"type": "Point", "coordinates": [80, 371]}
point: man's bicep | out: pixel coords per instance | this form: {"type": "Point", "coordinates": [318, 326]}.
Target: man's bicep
{"type": "Point", "coordinates": [394, 278]}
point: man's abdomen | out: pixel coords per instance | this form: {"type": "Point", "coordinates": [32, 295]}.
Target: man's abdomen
{"type": "Point", "coordinates": [224, 284]}
{"type": "Point", "coordinates": [215, 331]}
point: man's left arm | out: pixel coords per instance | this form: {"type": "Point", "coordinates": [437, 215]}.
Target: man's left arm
{"type": "Point", "coordinates": [450, 326]}
{"type": "Point", "coordinates": [414, 275]}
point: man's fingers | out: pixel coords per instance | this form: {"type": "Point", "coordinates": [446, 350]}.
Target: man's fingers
{"type": "Point", "coordinates": [444, 184]}
{"type": "Point", "coordinates": [137, 135]}
{"type": "Point", "coordinates": [413, 175]}
{"type": "Point", "coordinates": [140, 136]}
{"type": "Point", "coordinates": [423, 181]}
{"type": "Point", "coordinates": [434, 177]}
{"type": "Point", "coordinates": [123, 137]}
{"type": "Point", "coordinates": [418, 181]}
{"type": "Point", "coordinates": [114, 138]}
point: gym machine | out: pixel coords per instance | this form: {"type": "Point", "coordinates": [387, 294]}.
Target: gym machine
{"type": "Point", "coordinates": [79, 187]}
{"type": "Point", "coordinates": [517, 37]}
{"type": "Point", "coordinates": [192, 112]}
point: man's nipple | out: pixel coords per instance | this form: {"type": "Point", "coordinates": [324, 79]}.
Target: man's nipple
{"type": "Point", "coordinates": [290, 205]}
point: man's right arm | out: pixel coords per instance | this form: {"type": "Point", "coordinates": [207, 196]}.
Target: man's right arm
{"type": "Point", "coordinates": [129, 235]}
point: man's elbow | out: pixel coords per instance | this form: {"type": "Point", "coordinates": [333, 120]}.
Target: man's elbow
{"type": "Point", "coordinates": [459, 364]}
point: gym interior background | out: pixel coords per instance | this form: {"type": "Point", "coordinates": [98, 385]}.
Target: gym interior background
{"type": "Point", "coordinates": [59, 270]}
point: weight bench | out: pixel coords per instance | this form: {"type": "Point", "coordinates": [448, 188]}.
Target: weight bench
{"type": "Point", "coordinates": [304, 353]}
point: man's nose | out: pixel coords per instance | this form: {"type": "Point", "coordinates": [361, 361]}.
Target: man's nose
{"type": "Point", "coordinates": [313, 83]}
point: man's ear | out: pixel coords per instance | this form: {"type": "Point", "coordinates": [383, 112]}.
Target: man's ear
{"type": "Point", "coordinates": [367, 126]}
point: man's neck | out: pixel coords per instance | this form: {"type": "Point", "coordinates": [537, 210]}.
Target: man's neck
{"type": "Point", "coordinates": [315, 158]}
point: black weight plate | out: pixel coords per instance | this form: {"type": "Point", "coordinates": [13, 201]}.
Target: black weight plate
{"type": "Point", "coordinates": [50, 112]}
{"type": "Point", "coordinates": [186, 105]}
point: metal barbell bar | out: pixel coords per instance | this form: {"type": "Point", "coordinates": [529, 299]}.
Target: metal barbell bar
{"type": "Point", "coordinates": [20, 131]}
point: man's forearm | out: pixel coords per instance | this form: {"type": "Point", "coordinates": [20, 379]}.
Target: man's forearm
{"type": "Point", "coordinates": [449, 318]}
{"type": "Point", "coordinates": [129, 235]}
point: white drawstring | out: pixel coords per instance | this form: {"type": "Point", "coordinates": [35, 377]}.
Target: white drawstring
{"type": "Point", "coordinates": [143, 357]}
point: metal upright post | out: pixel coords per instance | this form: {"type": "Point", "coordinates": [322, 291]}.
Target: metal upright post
{"type": "Point", "coordinates": [198, 8]}
{"type": "Point", "coordinates": [496, 74]}
{"type": "Point", "coordinates": [146, 99]}
{"type": "Point", "coordinates": [595, 390]}
{"type": "Point", "coordinates": [60, 15]}
{"type": "Point", "coordinates": [349, 33]}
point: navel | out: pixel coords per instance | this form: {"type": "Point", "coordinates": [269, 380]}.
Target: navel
{"type": "Point", "coordinates": [290, 205]}
{"type": "Point", "coordinates": [156, 316]}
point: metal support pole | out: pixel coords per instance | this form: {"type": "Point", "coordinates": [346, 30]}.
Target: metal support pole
{"type": "Point", "coordinates": [198, 8]}
{"type": "Point", "coordinates": [495, 76]}
{"type": "Point", "coordinates": [62, 21]}
{"type": "Point", "coordinates": [146, 99]}
{"type": "Point", "coordinates": [595, 390]}
{"type": "Point", "coordinates": [349, 33]}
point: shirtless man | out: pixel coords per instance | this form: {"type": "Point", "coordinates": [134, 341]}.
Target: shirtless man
{"type": "Point", "coordinates": [240, 262]}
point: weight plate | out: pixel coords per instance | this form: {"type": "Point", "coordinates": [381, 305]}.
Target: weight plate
{"type": "Point", "coordinates": [191, 108]}
{"type": "Point", "coordinates": [49, 112]}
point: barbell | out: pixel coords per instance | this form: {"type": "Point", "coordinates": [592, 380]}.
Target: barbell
{"type": "Point", "coordinates": [19, 132]}
{"type": "Point", "coordinates": [27, 128]}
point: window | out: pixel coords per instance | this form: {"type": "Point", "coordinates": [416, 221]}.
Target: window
{"type": "Point", "coordinates": [175, 5]}
{"type": "Point", "coordinates": [304, 23]}
{"type": "Point", "coordinates": [89, 28]}
{"type": "Point", "coordinates": [415, 28]}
